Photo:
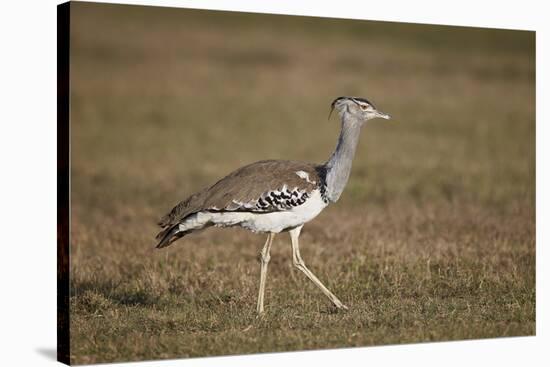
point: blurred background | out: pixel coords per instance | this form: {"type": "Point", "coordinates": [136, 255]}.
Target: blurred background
{"type": "Point", "coordinates": [433, 238]}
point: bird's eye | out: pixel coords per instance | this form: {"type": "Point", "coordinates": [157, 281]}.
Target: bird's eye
{"type": "Point", "coordinates": [364, 107]}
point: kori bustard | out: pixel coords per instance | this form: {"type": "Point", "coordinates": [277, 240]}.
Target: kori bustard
{"type": "Point", "coordinates": [274, 196]}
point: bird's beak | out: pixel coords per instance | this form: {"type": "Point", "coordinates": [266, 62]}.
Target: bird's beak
{"type": "Point", "coordinates": [383, 115]}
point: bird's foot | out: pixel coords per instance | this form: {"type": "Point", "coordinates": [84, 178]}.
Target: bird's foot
{"type": "Point", "coordinates": [339, 305]}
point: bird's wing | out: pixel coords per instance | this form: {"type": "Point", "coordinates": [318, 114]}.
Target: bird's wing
{"type": "Point", "coordinates": [262, 187]}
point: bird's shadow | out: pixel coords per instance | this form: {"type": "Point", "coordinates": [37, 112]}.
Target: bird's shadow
{"type": "Point", "coordinates": [49, 353]}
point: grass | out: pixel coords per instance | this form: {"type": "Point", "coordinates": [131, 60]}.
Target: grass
{"type": "Point", "coordinates": [433, 239]}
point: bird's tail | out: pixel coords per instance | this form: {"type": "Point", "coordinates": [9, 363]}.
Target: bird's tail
{"type": "Point", "coordinates": [167, 236]}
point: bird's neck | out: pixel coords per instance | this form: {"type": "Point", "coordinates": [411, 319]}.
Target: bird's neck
{"type": "Point", "coordinates": [338, 166]}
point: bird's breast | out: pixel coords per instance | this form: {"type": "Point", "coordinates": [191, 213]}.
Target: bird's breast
{"type": "Point", "coordinates": [281, 220]}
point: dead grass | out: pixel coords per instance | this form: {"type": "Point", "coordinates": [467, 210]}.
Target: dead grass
{"type": "Point", "coordinates": [433, 239]}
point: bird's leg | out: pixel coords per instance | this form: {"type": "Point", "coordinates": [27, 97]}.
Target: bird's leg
{"type": "Point", "coordinates": [299, 263]}
{"type": "Point", "coordinates": [264, 258]}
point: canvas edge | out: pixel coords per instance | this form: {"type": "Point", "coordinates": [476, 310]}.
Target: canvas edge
{"type": "Point", "coordinates": [63, 173]}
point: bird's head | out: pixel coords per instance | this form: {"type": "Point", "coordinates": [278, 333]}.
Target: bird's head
{"type": "Point", "coordinates": [356, 109]}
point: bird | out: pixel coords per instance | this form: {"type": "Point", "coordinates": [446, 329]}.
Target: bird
{"type": "Point", "coordinates": [275, 196]}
